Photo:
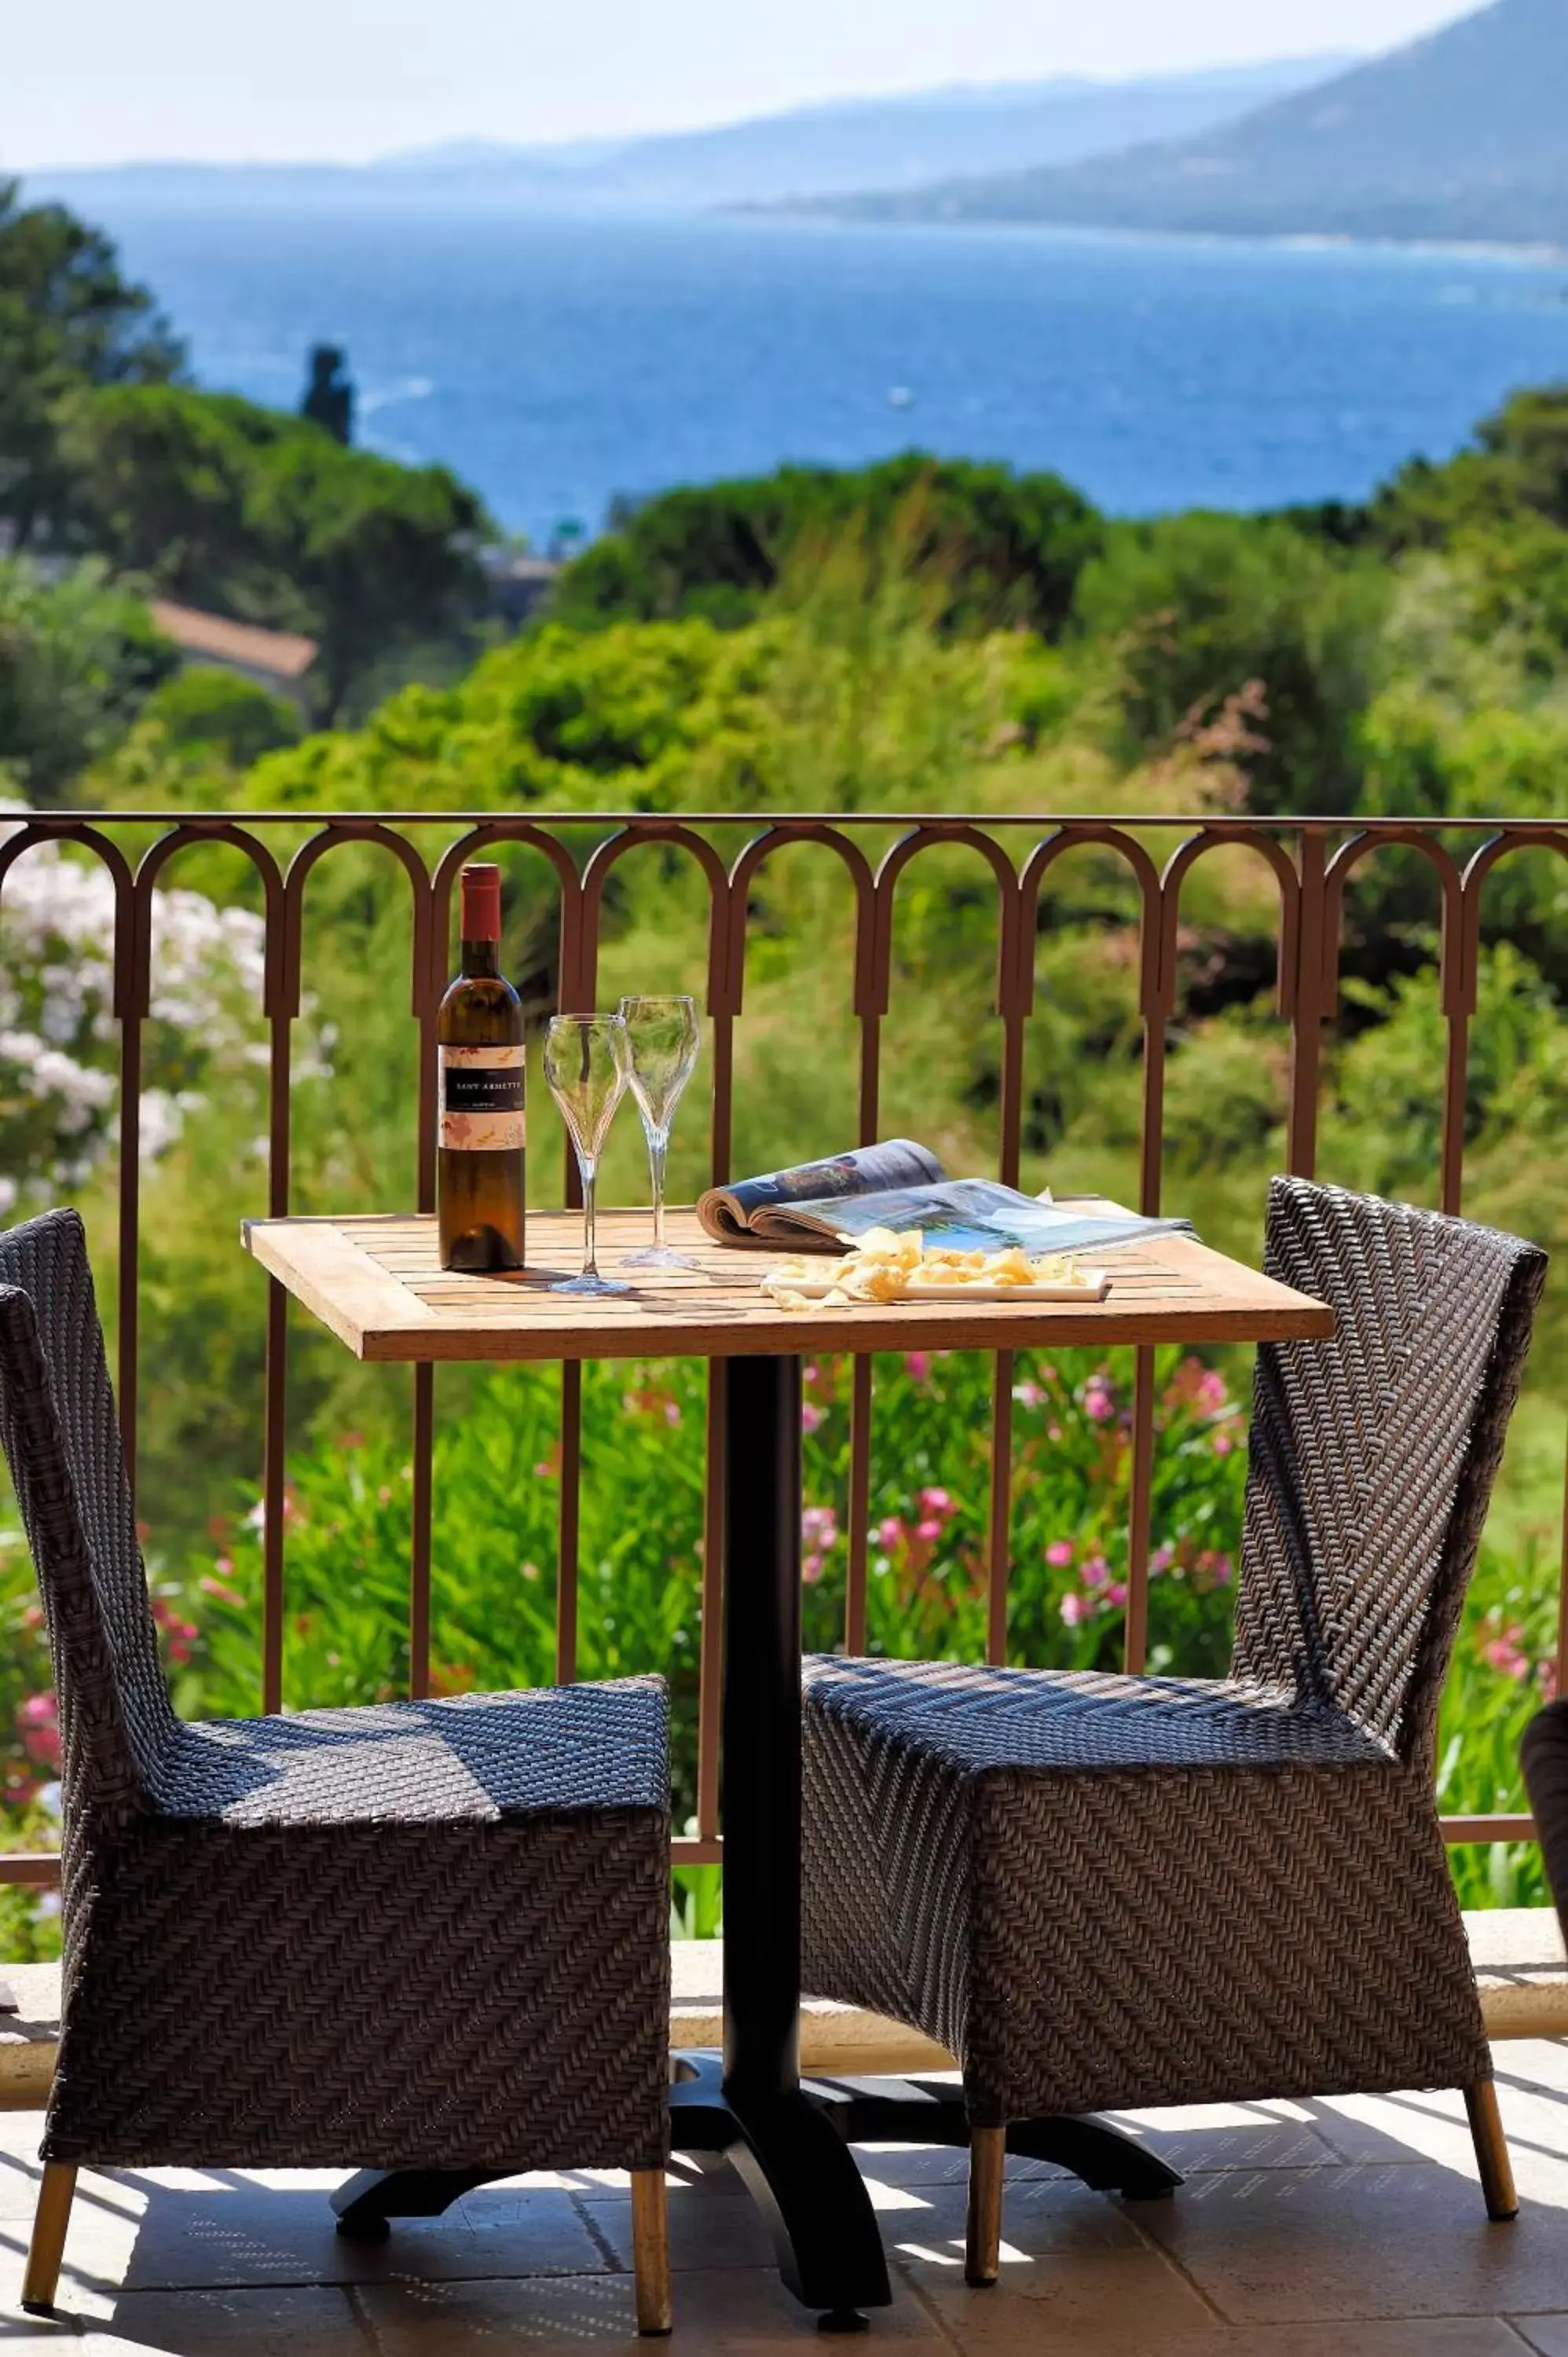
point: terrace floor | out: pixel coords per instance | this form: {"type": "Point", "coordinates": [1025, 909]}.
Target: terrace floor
{"type": "Point", "coordinates": [1345, 2228]}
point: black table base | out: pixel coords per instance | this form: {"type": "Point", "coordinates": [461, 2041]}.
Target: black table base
{"type": "Point", "coordinates": [792, 2152]}
{"type": "Point", "coordinates": [789, 2139]}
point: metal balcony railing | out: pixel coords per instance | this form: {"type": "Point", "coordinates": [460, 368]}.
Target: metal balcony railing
{"type": "Point", "coordinates": [1311, 861]}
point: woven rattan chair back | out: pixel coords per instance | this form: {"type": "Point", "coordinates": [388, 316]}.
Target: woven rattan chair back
{"type": "Point", "coordinates": [62, 1440]}
{"type": "Point", "coordinates": [1374, 1453]}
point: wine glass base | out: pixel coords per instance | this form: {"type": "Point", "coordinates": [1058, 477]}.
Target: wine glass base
{"type": "Point", "coordinates": [587, 1284]}
{"type": "Point", "coordinates": [658, 1257]}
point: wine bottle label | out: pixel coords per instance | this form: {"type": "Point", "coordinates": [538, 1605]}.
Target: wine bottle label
{"type": "Point", "coordinates": [480, 1098]}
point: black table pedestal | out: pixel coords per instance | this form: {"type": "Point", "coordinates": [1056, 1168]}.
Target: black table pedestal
{"type": "Point", "coordinates": [789, 2140]}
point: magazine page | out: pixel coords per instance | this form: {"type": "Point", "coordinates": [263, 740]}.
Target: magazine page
{"type": "Point", "coordinates": [734, 1214]}
{"type": "Point", "coordinates": [964, 1214]}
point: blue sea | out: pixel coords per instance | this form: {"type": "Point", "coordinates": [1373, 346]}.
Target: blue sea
{"type": "Point", "coordinates": [557, 363]}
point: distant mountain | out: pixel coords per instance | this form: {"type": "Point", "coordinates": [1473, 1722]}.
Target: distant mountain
{"type": "Point", "coordinates": [1462, 135]}
{"type": "Point", "coordinates": [895, 143]}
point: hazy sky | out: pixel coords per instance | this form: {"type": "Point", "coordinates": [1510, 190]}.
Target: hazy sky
{"type": "Point", "coordinates": [103, 80]}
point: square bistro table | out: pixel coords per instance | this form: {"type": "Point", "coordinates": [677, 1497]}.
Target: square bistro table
{"type": "Point", "coordinates": [377, 1284]}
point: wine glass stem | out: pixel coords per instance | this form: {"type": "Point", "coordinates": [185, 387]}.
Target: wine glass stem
{"type": "Point", "coordinates": [589, 1166]}
{"type": "Point", "coordinates": [658, 1147]}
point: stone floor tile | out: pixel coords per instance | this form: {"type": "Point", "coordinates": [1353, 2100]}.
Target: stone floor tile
{"type": "Point", "coordinates": [1548, 2335]}
{"type": "Point", "coordinates": [708, 2226]}
{"type": "Point", "coordinates": [1040, 2218]}
{"type": "Point", "coordinates": [1074, 2299]}
{"type": "Point", "coordinates": [304, 2321]}
{"type": "Point", "coordinates": [937, 2164]}
{"type": "Point", "coordinates": [732, 2312]}
{"type": "Point", "coordinates": [1025, 2328]}
{"type": "Point", "coordinates": [141, 2235]}
{"type": "Point", "coordinates": [1232, 2135]}
{"type": "Point", "coordinates": [1375, 2240]}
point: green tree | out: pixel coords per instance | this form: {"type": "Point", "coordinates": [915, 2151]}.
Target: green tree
{"type": "Point", "coordinates": [68, 317]}
{"type": "Point", "coordinates": [1011, 546]}
{"type": "Point", "coordinates": [77, 658]}
{"type": "Point", "coordinates": [1195, 610]}
{"type": "Point", "coordinates": [257, 514]}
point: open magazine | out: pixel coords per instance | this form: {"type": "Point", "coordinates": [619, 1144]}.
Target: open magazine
{"type": "Point", "coordinates": [898, 1184]}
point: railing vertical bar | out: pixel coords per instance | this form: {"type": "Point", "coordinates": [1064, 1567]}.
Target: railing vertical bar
{"type": "Point", "coordinates": [126, 1387]}
{"type": "Point", "coordinates": [858, 1505]}
{"type": "Point", "coordinates": [710, 1650]}
{"type": "Point", "coordinates": [1140, 1470]}
{"type": "Point", "coordinates": [274, 1460]}
{"type": "Point", "coordinates": [723, 1100]}
{"type": "Point", "coordinates": [857, 1537]}
{"type": "Point", "coordinates": [421, 1513]}
{"type": "Point", "coordinates": [569, 1524]}
{"type": "Point", "coordinates": [1309, 1005]}
{"type": "Point", "coordinates": [999, 1538]}
{"type": "Point", "coordinates": [275, 1424]}
{"type": "Point", "coordinates": [1139, 1511]}
{"type": "Point", "coordinates": [999, 1541]}
{"type": "Point", "coordinates": [422, 1500]}
{"type": "Point", "coordinates": [1453, 1087]}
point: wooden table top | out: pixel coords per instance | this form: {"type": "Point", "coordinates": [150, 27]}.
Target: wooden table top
{"type": "Point", "coordinates": [376, 1283]}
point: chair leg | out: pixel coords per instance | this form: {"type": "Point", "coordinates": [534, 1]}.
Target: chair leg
{"type": "Point", "coordinates": [650, 2249]}
{"type": "Point", "coordinates": [983, 2241]}
{"type": "Point", "coordinates": [47, 2249]}
{"type": "Point", "coordinates": [1491, 2150]}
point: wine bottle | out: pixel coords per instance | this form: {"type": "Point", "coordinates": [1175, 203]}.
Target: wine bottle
{"type": "Point", "coordinates": [480, 1083]}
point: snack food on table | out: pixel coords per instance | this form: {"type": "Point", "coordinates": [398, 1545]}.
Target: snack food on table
{"type": "Point", "coordinates": [885, 1265]}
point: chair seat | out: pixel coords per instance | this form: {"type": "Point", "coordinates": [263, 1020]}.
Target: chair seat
{"type": "Point", "coordinates": [1060, 1722]}
{"type": "Point", "coordinates": [475, 1759]}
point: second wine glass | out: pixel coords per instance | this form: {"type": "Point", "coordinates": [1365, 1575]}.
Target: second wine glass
{"type": "Point", "coordinates": [663, 1039]}
{"type": "Point", "coordinates": [587, 1062]}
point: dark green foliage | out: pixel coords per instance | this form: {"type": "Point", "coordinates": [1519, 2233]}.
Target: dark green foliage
{"type": "Point", "coordinates": [67, 317]}
{"type": "Point", "coordinates": [1518, 472]}
{"type": "Point", "coordinates": [1010, 547]}
{"type": "Point", "coordinates": [216, 710]}
{"type": "Point", "coordinates": [1202, 611]}
{"type": "Point", "coordinates": [256, 514]}
{"type": "Point", "coordinates": [78, 658]}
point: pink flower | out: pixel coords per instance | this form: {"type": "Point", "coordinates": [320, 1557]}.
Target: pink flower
{"type": "Point", "coordinates": [1161, 1559]}
{"type": "Point", "coordinates": [811, 1416]}
{"type": "Point", "coordinates": [1074, 1608]}
{"type": "Point", "coordinates": [819, 1527]}
{"type": "Point", "coordinates": [917, 1365]}
{"type": "Point", "coordinates": [37, 1724]}
{"type": "Point", "coordinates": [671, 1412]}
{"type": "Point", "coordinates": [930, 1529]}
{"type": "Point", "coordinates": [223, 1565]}
{"type": "Point", "coordinates": [1096, 1571]}
{"type": "Point", "coordinates": [936, 1502]}
{"type": "Point", "coordinates": [1058, 1555]}
{"type": "Point", "coordinates": [1223, 1444]}
{"type": "Point", "coordinates": [1097, 1403]}
{"type": "Point", "coordinates": [889, 1533]}
{"type": "Point", "coordinates": [1505, 1654]}
{"type": "Point", "coordinates": [1028, 1394]}
{"type": "Point", "coordinates": [1053, 1432]}
{"type": "Point", "coordinates": [1117, 1592]}
{"type": "Point", "coordinates": [811, 1568]}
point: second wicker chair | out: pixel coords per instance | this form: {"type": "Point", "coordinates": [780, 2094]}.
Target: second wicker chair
{"type": "Point", "coordinates": [1107, 1891]}
{"type": "Point", "coordinates": [424, 1936]}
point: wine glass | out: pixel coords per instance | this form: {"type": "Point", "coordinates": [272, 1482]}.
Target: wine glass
{"type": "Point", "coordinates": [587, 1062]}
{"type": "Point", "coordinates": [663, 1038]}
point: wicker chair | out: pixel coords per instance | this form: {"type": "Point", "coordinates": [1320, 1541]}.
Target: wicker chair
{"type": "Point", "coordinates": [1108, 1892]}
{"type": "Point", "coordinates": [424, 1935]}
